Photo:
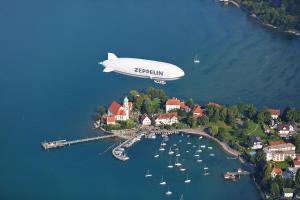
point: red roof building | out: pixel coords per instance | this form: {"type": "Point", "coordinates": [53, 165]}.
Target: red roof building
{"type": "Point", "coordinates": [109, 120]}
{"type": "Point", "coordinates": [276, 171]}
{"type": "Point", "coordinates": [172, 104]}
{"type": "Point", "coordinates": [166, 119]}
{"type": "Point", "coordinates": [197, 111]}
{"type": "Point", "coordinates": [274, 143]}
{"type": "Point", "coordinates": [274, 113]}
{"type": "Point", "coordinates": [213, 104]}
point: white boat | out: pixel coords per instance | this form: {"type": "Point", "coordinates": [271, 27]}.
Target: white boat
{"type": "Point", "coordinates": [168, 193]}
{"type": "Point", "coordinates": [171, 152]}
{"type": "Point", "coordinates": [156, 155]}
{"type": "Point", "coordinates": [194, 146]}
{"type": "Point", "coordinates": [200, 137]}
{"type": "Point", "coordinates": [163, 144]}
{"type": "Point", "coordinates": [161, 148]}
{"type": "Point", "coordinates": [148, 174]}
{"type": "Point", "coordinates": [162, 182]}
{"type": "Point", "coordinates": [174, 145]}
{"type": "Point", "coordinates": [182, 169]}
{"type": "Point", "coordinates": [187, 180]}
{"type": "Point", "coordinates": [160, 82]}
{"type": "Point", "coordinates": [177, 164]}
{"type": "Point", "coordinates": [205, 168]}
{"type": "Point", "coordinates": [187, 151]}
{"type": "Point", "coordinates": [211, 154]}
{"type": "Point", "coordinates": [188, 143]}
{"type": "Point", "coordinates": [199, 151]}
{"type": "Point", "coordinates": [198, 160]}
{"type": "Point", "coordinates": [202, 146]}
{"type": "Point", "coordinates": [196, 155]}
{"type": "Point", "coordinates": [178, 155]}
{"type": "Point", "coordinates": [170, 166]}
{"type": "Point", "coordinates": [180, 140]}
{"type": "Point", "coordinates": [196, 59]}
{"type": "Point", "coordinates": [209, 147]}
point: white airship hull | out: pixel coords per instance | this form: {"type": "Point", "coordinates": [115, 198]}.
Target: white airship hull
{"type": "Point", "coordinates": [141, 68]}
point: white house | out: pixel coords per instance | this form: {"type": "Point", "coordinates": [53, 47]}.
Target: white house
{"type": "Point", "coordinates": [285, 130]}
{"type": "Point", "coordinates": [145, 120]}
{"type": "Point", "coordinates": [279, 151]}
{"type": "Point", "coordinates": [274, 113]}
{"type": "Point", "coordinates": [256, 142]}
{"type": "Point", "coordinates": [166, 119]}
{"type": "Point", "coordinates": [121, 113]}
{"type": "Point", "coordinates": [288, 192]}
{"type": "Point", "coordinates": [172, 104]}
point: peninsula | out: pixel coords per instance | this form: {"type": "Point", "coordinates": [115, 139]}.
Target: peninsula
{"type": "Point", "coordinates": [267, 139]}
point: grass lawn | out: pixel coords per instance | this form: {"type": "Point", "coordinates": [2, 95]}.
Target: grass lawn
{"type": "Point", "coordinates": [282, 165]}
{"type": "Point", "coordinates": [255, 129]}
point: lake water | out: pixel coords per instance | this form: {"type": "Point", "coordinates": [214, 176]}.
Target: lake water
{"type": "Point", "coordinates": [50, 86]}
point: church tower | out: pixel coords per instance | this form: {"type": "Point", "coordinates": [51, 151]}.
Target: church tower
{"type": "Point", "coordinates": [126, 107]}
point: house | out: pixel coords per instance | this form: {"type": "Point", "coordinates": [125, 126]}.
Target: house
{"type": "Point", "coordinates": [145, 120]}
{"type": "Point", "coordinates": [166, 119]}
{"type": "Point", "coordinates": [197, 111]}
{"type": "Point", "coordinates": [121, 113]}
{"type": "Point", "coordinates": [276, 172]}
{"type": "Point", "coordinates": [288, 193]}
{"type": "Point", "coordinates": [256, 142]}
{"type": "Point", "coordinates": [296, 163]}
{"type": "Point", "coordinates": [184, 107]}
{"type": "Point", "coordinates": [279, 151]}
{"type": "Point", "coordinates": [285, 130]}
{"type": "Point", "coordinates": [172, 104]}
{"type": "Point", "coordinates": [213, 104]}
{"type": "Point", "coordinates": [109, 120]}
{"type": "Point", "coordinates": [274, 113]}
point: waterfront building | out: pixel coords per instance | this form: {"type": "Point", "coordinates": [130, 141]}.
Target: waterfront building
{"type": "Point", "coordinates": [172, 104]}
{"type": "Point", "coordinates": [256, 142]}
{"type": "Point", "coordinates": [276, 172]}
{"type": "Point", "coordinates": [274, 113]}
{"type": "Point", "coordinates": [121, 113]}
{"type": "Point", "coordinates": [213, 104]}
{"type": "Point", "coordinates": [145, 120]}
{"type": "Point", "coordinates": [197, 111]}
{"type": "Point", "coordinates": [279, 151]}
{"type": "Point", "coordinates": [166, 119]}
{"type": "Point", "coordinates": [184, 107]}
{"type": "Point", "coordinates": [109, 120]}
{"type": "Point", "coordinates": [285, 130]}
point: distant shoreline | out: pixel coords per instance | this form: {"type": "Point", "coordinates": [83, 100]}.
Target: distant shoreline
{"type": "Point", "coordinates": [291, 32]}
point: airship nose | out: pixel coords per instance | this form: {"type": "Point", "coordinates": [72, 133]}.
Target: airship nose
{"type": "Point", "coordinates": [180, 72]}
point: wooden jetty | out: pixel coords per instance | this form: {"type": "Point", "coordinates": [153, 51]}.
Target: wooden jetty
{"type": "Point", "coordinates": [62, 143]}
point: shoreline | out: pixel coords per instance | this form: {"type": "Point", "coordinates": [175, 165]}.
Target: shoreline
{"type": "Point", "coordinates": [266, 25]}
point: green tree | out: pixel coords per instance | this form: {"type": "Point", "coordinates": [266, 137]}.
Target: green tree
{"type": "Point", "coordinates": [189, 102]}
{"type": "Point", "coordinates": [133, 94]}
{"type": "Point", "coordinates": [290, 115]}
{"type": "Point", "coordinates": [251, 111]}
{"type": "Point", "coordinates": [203, 121]}
{"type": "Point", "coordinates": [192, 122]}
{"type": "Point", "coordinates": [297, 179]}
{"type": "Point", "coordinates": [213, 130]}
{"type": "Point", "coordinates": [101, 110]}
{"type": "Point", "coordinates": [275, 190]}
{"type": "Point", "coordinates": [297, 143]}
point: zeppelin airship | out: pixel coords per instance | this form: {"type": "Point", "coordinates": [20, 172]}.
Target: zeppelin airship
{"type": "Point", "coordinates": [160, 72]}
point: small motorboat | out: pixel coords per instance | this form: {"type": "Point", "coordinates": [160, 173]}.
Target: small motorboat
{"type": "Point", "coordinates": [199, 160]}
{"type": "Point", "coordinates": [182, 169]}
{"type": "Point", "coordinates": [188, 143]}
{"type": "Point", "coordinates": [162, 182]}
{"type": "Point", "coordinates": [156, 155]}
{"type": "Point", "coordinates": [178, 155]}
{"type": "Point", "coordinates": [170, 166]}
{"type": "Point", "coordinates": [200, 137]}
{"type": "Point", "coordinates": [148, 174]}
{"type": "Point", "coordinates": [205, 168]}
{"type": "Point", "coordinates": [212, 154]}
{"type": "Point", "coordinates": [171, 152]}
{"type": "Point", "coordinates": [202, 146]}
{"type": "Point", "coordinates": [187, 180]}
{"type": "Point", "coordinates": [209, 147]}
{"type": "Point", "coordinates": [168, 193]}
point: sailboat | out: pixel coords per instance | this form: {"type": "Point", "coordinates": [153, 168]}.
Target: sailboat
{"type": "Point", "coordinates": [148, 174]}
{"type": "Point", "coordinates": [187, 180]}
{"type": "Point", "coordinates": [170, 151]}
{"type": "Point", "coordinates": [178, 164]}
{"type": "Point", "coordinates": [161, 147]}
{"type": "Point", "coordinates": [196, 59]}
{"type": "Point", "coordinates": [162, 182]}
{"type": "Point", "coordinates": [199, 160]}
{"type": "Point", "coordinates": [168, 193]}
{"type": "Point", "coordinates": [182, 169]}
{"type": "Point", "coordinates": [170, 166]}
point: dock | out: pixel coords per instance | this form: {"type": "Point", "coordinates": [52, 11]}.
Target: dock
{"type": "Point", "coordinates": [63, 143]}
{"type": "Point", "coordinates": [235, 174]}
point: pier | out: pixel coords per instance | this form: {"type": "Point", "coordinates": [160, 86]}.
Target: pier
{"type": "Point", "coordinates": [62, 143]}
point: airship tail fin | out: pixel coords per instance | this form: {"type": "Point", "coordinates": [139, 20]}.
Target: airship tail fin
{"type": "Point", "coordinates": [107, 69]}
{"type": "Point", "coordinates": [111, 56]}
